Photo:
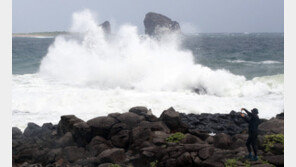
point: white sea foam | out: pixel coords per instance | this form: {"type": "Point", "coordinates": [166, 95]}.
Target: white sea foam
{"type": "Point", "coordinates": [254, 62]}
{"type": "Point", "coordinates": [93, 74]}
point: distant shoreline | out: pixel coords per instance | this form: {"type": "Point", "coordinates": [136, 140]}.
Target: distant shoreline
{"type": "Point", "coordinates": [40, 34]}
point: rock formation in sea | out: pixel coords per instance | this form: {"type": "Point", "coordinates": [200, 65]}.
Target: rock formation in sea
{"type": "Point", "coordinates": [106, 27]}
{"type": "Point", "coordinates": [138, 138]}
{"type": "Point", "coordinates": [157, 23]}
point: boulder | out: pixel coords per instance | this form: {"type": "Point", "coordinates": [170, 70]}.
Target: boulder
{"type": "Point", "coordinates": [277, 160]}
{"type": "Point", "coordinates": [190, 139]}
{"type": "Point", "coordinates": [73, 153]}
{"type": "Point", "coordinates": [214, 123]}
{"type": "Point", "coordinates": [89, 162]}
{"type": "Point", "coordinates": [106, 27]}
{"type": "Point", "coordinates": [97, 145]}
{"type": "Point", "coordinates": [184, 160]}
{"type": "Point", "coordinates": [205, 152]}
{"type": "Point", "coordinates": [143, 111]}
{"type": "Point", "coordinates": [157, 126]}
{"type": "Point", "coordinates": [101, 125]}
{"type": "Point", "coordinates": [173, 120]}
{"type": "Point", "coordinates": [280, 116]}
{"type": "Point", "coordinates": [81, 133]}
{"type": "Point", "coordinates": [156, 24]}
{"type": "Point", "coordinates": [113, 155]}
{"type": "Point", "coordinates": [66, 140]}
{"type": "Point", "coordinates": [16, 133]}
{"type": "Point", "coordinates": [222, 140]}
{"type": "Point", "coordinates": [200, 134]}
{"type": "Point", "coordinates": [139, 110]}
{"type": "Point", "coordinates": [140, 135]}
{"type": "Point", "coordinates": [159, 138]}
{"type": "Point", "coordinates": [194, 147]}
{"type": "Point", "coordinates": [121, 139]}
{"type": "Point", "coordinates": [272, 126]}
{"type": "Point", "coordinates": [66, 123]}
{"type": "Point", "coordinates": [117, 128]}
{"type": "Point", "coordinates": [32, 130]}
{"type": "Point", "coordinates": [277, 149]}
{"type": "Point", "coordinates": [130, 119]}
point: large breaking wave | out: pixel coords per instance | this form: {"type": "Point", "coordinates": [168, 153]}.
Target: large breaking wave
{"type": "Point", "coordinates": [130, 61]}
{"type": "Point", "coordinates": [90, 73]}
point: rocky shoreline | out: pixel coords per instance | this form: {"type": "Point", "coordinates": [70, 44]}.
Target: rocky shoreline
{"type": "Point", "coordinates": [138, 138]}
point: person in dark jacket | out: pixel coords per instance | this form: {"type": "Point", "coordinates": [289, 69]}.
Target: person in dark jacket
{"type": "Point", "coordinates": [253, 121]}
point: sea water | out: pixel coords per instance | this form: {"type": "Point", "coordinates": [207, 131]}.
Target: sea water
{"type": "Point", "coordinates": [92, 74]}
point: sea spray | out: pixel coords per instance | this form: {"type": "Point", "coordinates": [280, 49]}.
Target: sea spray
{"type": "Point", "coordinates": [91, 74]}
{"type": "Point", "coordinates": [130, 61]}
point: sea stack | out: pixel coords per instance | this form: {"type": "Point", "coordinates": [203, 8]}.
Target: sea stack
{"type": "Point", "coordinates": [157, 23]}
{"type": "Point", "coordinates": [106, 27]}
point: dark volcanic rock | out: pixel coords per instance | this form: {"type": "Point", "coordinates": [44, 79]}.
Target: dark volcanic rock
{"type": "Point", "coordinates": [157, 23]}
{"type": "Point", "coordinates": [280, 116]}
{"type": "Point", "coordinates": [173, 120]}
{"type": "Point", "coordinates": [101, 125]}
{"type": "Point", "coordinates": [277, 160]}
{"type": "Point", "coordinates": [114, 155]}
{"type": "Point", "coordinates": [97, 145]}
{"type": "Point", "coordinates": [230, 124]}
{"type": "Point", "coordinates": [32, 130]}
{"type": "Point", "coordinates": [272, 126]}
{"type": "Point", "coordinates": [66, 123]}
{"type": "Point", "coordinates": [143, 111]}
{"type": "Point", "coordinates": [121, 139]}
{"type": "Point", "coordinates": [130, 119]}
{"type": "Point", "coordinates": [222, 141]}
{"type": "Point", "coordinates": [16, 133]}
{"type": "Point", "coordinates": [137, 138]}
{"type": "Point", "coordinates": [106, 27]}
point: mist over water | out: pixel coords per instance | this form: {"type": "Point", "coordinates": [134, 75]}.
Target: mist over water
{"type": "Point", "coordinates": [91, 73]}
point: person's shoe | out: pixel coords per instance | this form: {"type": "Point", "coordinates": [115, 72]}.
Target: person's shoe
{"type": "Point", "coordinates": [249, 156]}
{"type": "Point", "coordinates": [254, 158]}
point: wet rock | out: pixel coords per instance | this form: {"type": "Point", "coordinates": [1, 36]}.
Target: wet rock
{"type": "Point", "coordinates": [114, 155]}
{"type": "Point", "coordinates": [121, 139]}
{"type": "Point", "coordinates": [16, 133]}
{"type": "Point", "coordinates": [280, 116]}
{"type": "Point", "coordinates": [277, 160]}
{"type": "Point", "coordinates": [101, 126]}
{"type": "Point", "coordinates": [141, 134]}
{"type": "Point", "coordinates": [157, 23]}
{"type": "Point", "coordinates": [222, 141]}
{"type": "Point", "coordinates": [143, 111]}
{"type": "Point", "coordinates": [200, 134]}
{"type": "Point", "coordinates": [205, 152]}
{"type": "Point", "coordinates": [190, 139]}
{"type": "Point", "coordinates": [130, 119]}
{"type": "Point", "coordinates": [81, 133]}
{"type": "Point", "coordinates": [66, 123]}
{"type": "Point", "coordinates": [184, 160]}
{"type": "Point", "coordinates": [73, 153]}
{"type": "Point", "coordinates": [173, 120]}
{"type": "Point", "coordinates": [97, 145]}
{"type": "Point", "coordinates": [272, 126]}
{"type": "Point", "coordinates": [106, 27]}
{"type": "Point", "coordinates": [215, 123]}
{"type": "Point", "coordinates": [32, 130]}
{"type": "Point", "coordinates": [66, 140]}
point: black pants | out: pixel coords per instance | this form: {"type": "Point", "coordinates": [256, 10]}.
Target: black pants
{"type": "Point", "coordinates": [252, 141]}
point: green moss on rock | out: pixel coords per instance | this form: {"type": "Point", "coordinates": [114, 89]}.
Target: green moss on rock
{"type": "Point", "coordinates": [175, 138]}
{"type": "Point", "coordinates": [270, 140]}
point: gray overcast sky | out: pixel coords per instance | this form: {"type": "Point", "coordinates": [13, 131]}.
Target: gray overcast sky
{"type": "Point", "coordinates": [194, 15]}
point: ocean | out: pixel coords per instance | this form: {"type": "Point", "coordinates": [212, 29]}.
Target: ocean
{"type": "Point", "coordinates": [91, 74]}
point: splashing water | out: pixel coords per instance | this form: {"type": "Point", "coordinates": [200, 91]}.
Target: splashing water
{"type": "Point", "coordinates": [90, 73]}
